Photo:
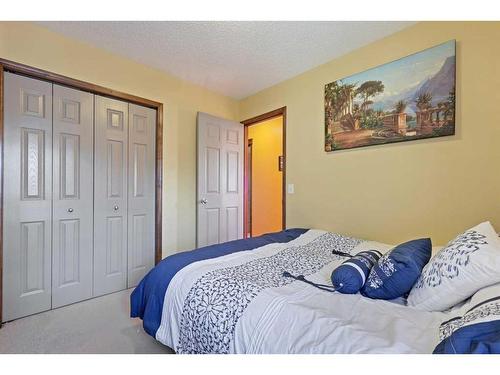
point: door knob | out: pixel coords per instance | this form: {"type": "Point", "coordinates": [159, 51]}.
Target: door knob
{"type": "Point", "coordinates": [70, 210]}
{"type": "Point", "coordinates": [115, 208]}
{"type": "Point", "coordinates": [203, 201]}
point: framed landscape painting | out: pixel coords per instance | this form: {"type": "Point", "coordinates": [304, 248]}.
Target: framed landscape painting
{"type": "Point", "coordinates": [407, 99]}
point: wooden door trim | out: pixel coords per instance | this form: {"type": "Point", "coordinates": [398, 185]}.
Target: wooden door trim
{"type": "Point", "coordinates": [44, 75]}
{"type": "Point", "coordinates": [248, 179]}
{"type": "Point", "coordinates": [159, 183]}
{"type": "Point", "coordinates": [32, 72]}
{"type": "Point", "coordinates": [1, 189]}
{"type": "Point", "coordinates": [251, 121]}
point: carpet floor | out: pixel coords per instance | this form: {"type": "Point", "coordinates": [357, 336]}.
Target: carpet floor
{"type": "Point", "coordinates": [99, 325]}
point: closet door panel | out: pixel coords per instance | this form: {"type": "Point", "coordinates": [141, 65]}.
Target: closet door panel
{"type": "Point", "coordinates": [27, 196]}
{"type": "Point", "coordinates": [141, 195]}
{"type": "Point", "coordinates": [72, 248]}
{"type": "Point", "coordinates": [110, 195]}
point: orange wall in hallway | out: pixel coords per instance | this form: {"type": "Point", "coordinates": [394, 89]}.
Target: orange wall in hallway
{"type": "Point", "coordinates": [267, 180]}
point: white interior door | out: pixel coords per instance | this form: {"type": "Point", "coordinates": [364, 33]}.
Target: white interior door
{"type": "Point", "coordinates": [27, 211]}
{"type": "Point", "coordinates": [141, 192]}
{"type": "Point", "coordinates": [219, 180]}
{"type": "Point", "coordinates": [72, 230]}
{"type": "Point", "coordinates": [110, 195]}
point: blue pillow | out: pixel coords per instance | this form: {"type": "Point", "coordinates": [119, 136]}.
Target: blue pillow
{"type": "Point", "coordinates": [350, 276]}
{"type": "Point", "coordinates": [395, 273]}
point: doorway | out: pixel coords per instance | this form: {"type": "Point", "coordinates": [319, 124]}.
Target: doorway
{"type": "Point", "coordinates": [265, 173]}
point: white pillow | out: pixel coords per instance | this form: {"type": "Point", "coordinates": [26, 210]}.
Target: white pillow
{"type": "Point", "coordinates": [468, 263]}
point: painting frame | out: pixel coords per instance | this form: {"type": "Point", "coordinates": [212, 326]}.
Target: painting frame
{"type": "Point", "coordinates": [407, 99]}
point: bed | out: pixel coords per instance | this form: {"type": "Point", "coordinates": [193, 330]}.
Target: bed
{"type": "Point", "coordinates": [233, 298]}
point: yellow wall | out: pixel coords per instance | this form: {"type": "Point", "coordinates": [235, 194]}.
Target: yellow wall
{"type": "Point", "coordinates": [434, 187]}
{"type": "Point", "coordinates": [36, 46]}
{"type": "Point", "coordinates": [267, 137]}
{"type": "Point", "coordinates": [391, 193]}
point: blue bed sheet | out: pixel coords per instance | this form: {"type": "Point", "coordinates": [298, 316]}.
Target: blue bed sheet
{"type": "Point", "coordinates": [146, 301]}
{"type": "Point", "coordinates": [480, 338]}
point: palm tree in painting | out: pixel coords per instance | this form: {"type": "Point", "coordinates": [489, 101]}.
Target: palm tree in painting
{"type": "Point", "coordinates": [451, 97]}
{"type": "Point", "coordinates": [400, 106]}
{"type": "Point", "coordinates": [338, 99]}
{"type": "Point", "coordinates": [332, 92]}
{"type": "Point", "coordinates": [368, 90]}
{"type": "Point", "coordinates": [442, 109]}
{"type": "Point", "coordinates": [347, 95]}
{"type": "Point", "coordinates": [450, 108]}
{"type": "Point", "coordinates": [423, 101]}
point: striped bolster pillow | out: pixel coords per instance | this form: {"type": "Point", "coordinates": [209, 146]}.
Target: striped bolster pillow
{"type": "Point", "coordinates": [350, 276]}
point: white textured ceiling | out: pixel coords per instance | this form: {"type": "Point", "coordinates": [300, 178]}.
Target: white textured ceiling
{"type": "Point", "coordinates": [236, 59]}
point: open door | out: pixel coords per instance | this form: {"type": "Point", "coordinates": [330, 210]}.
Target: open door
{"type": "Point", "coordinates": [219, 180]}
{"type": "Point", "coordinates": [265, 173]}
{"type": "Point", "coordinates": [264, 177]}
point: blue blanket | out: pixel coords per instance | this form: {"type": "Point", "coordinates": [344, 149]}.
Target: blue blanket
{"type": "Point", "coordinates": [477, 331]}
{"type": "Point", "coordinates": [146, 301]}
{"type": "Point", "coordinates": [480, 338]}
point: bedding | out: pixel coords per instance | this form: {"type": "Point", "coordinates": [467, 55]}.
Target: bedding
{"type": "Point", "coordinates": [350, 276]}
{"type": "Point", "coordinates": [474, 327]}
{"type": "Point", "coordinates": [395, 273]}
{"type": "Point", "coordinates": [468, 263]}
{"type": "Point", "coordinates": [233, 298]}
{"type": "Point", "coordinates": [147, 298]}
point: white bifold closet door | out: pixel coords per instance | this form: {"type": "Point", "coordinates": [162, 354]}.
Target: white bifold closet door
{"type": "Point", "coordinates": [124, 195]}
{"type": "Point", "coordinates": [27, 205]}
{"type": "Point", "coordinates": [110, 195]}
{"type": "Point", "coordinates": [141, 193]}
{"type": "Point", "coordinates": [72, 231]}
{"type": "Point", "coordinates": [79, 195]}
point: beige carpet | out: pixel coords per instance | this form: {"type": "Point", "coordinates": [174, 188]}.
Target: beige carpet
{"type": "Point", "coordinates": [99, 325]}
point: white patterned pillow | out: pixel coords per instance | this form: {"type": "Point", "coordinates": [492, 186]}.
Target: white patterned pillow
{"type": "Point", "coordinates": [468, 263]}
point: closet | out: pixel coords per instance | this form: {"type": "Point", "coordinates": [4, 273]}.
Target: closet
{"type": "Point", "coordinates": [78, 195]}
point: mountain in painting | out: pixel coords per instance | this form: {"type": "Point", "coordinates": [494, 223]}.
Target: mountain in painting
{"type": "Point", "coordinates": [441, 83]}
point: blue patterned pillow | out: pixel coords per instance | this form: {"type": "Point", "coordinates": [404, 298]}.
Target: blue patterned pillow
{"type": "Point", "coordinates": [396, 272]}
{"type": "Point", "coordinates": [350, 276]}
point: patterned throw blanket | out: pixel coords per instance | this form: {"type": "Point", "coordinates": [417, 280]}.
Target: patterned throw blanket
{"type": "Point", "coordinates": [218, 299]}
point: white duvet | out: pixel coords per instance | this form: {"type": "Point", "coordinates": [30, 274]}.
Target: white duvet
{"type": "Point", "coordinates": [296, 317]}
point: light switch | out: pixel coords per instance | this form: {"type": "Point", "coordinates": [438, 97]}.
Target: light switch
{"type": "Point", "coordinates": [291, 188]}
